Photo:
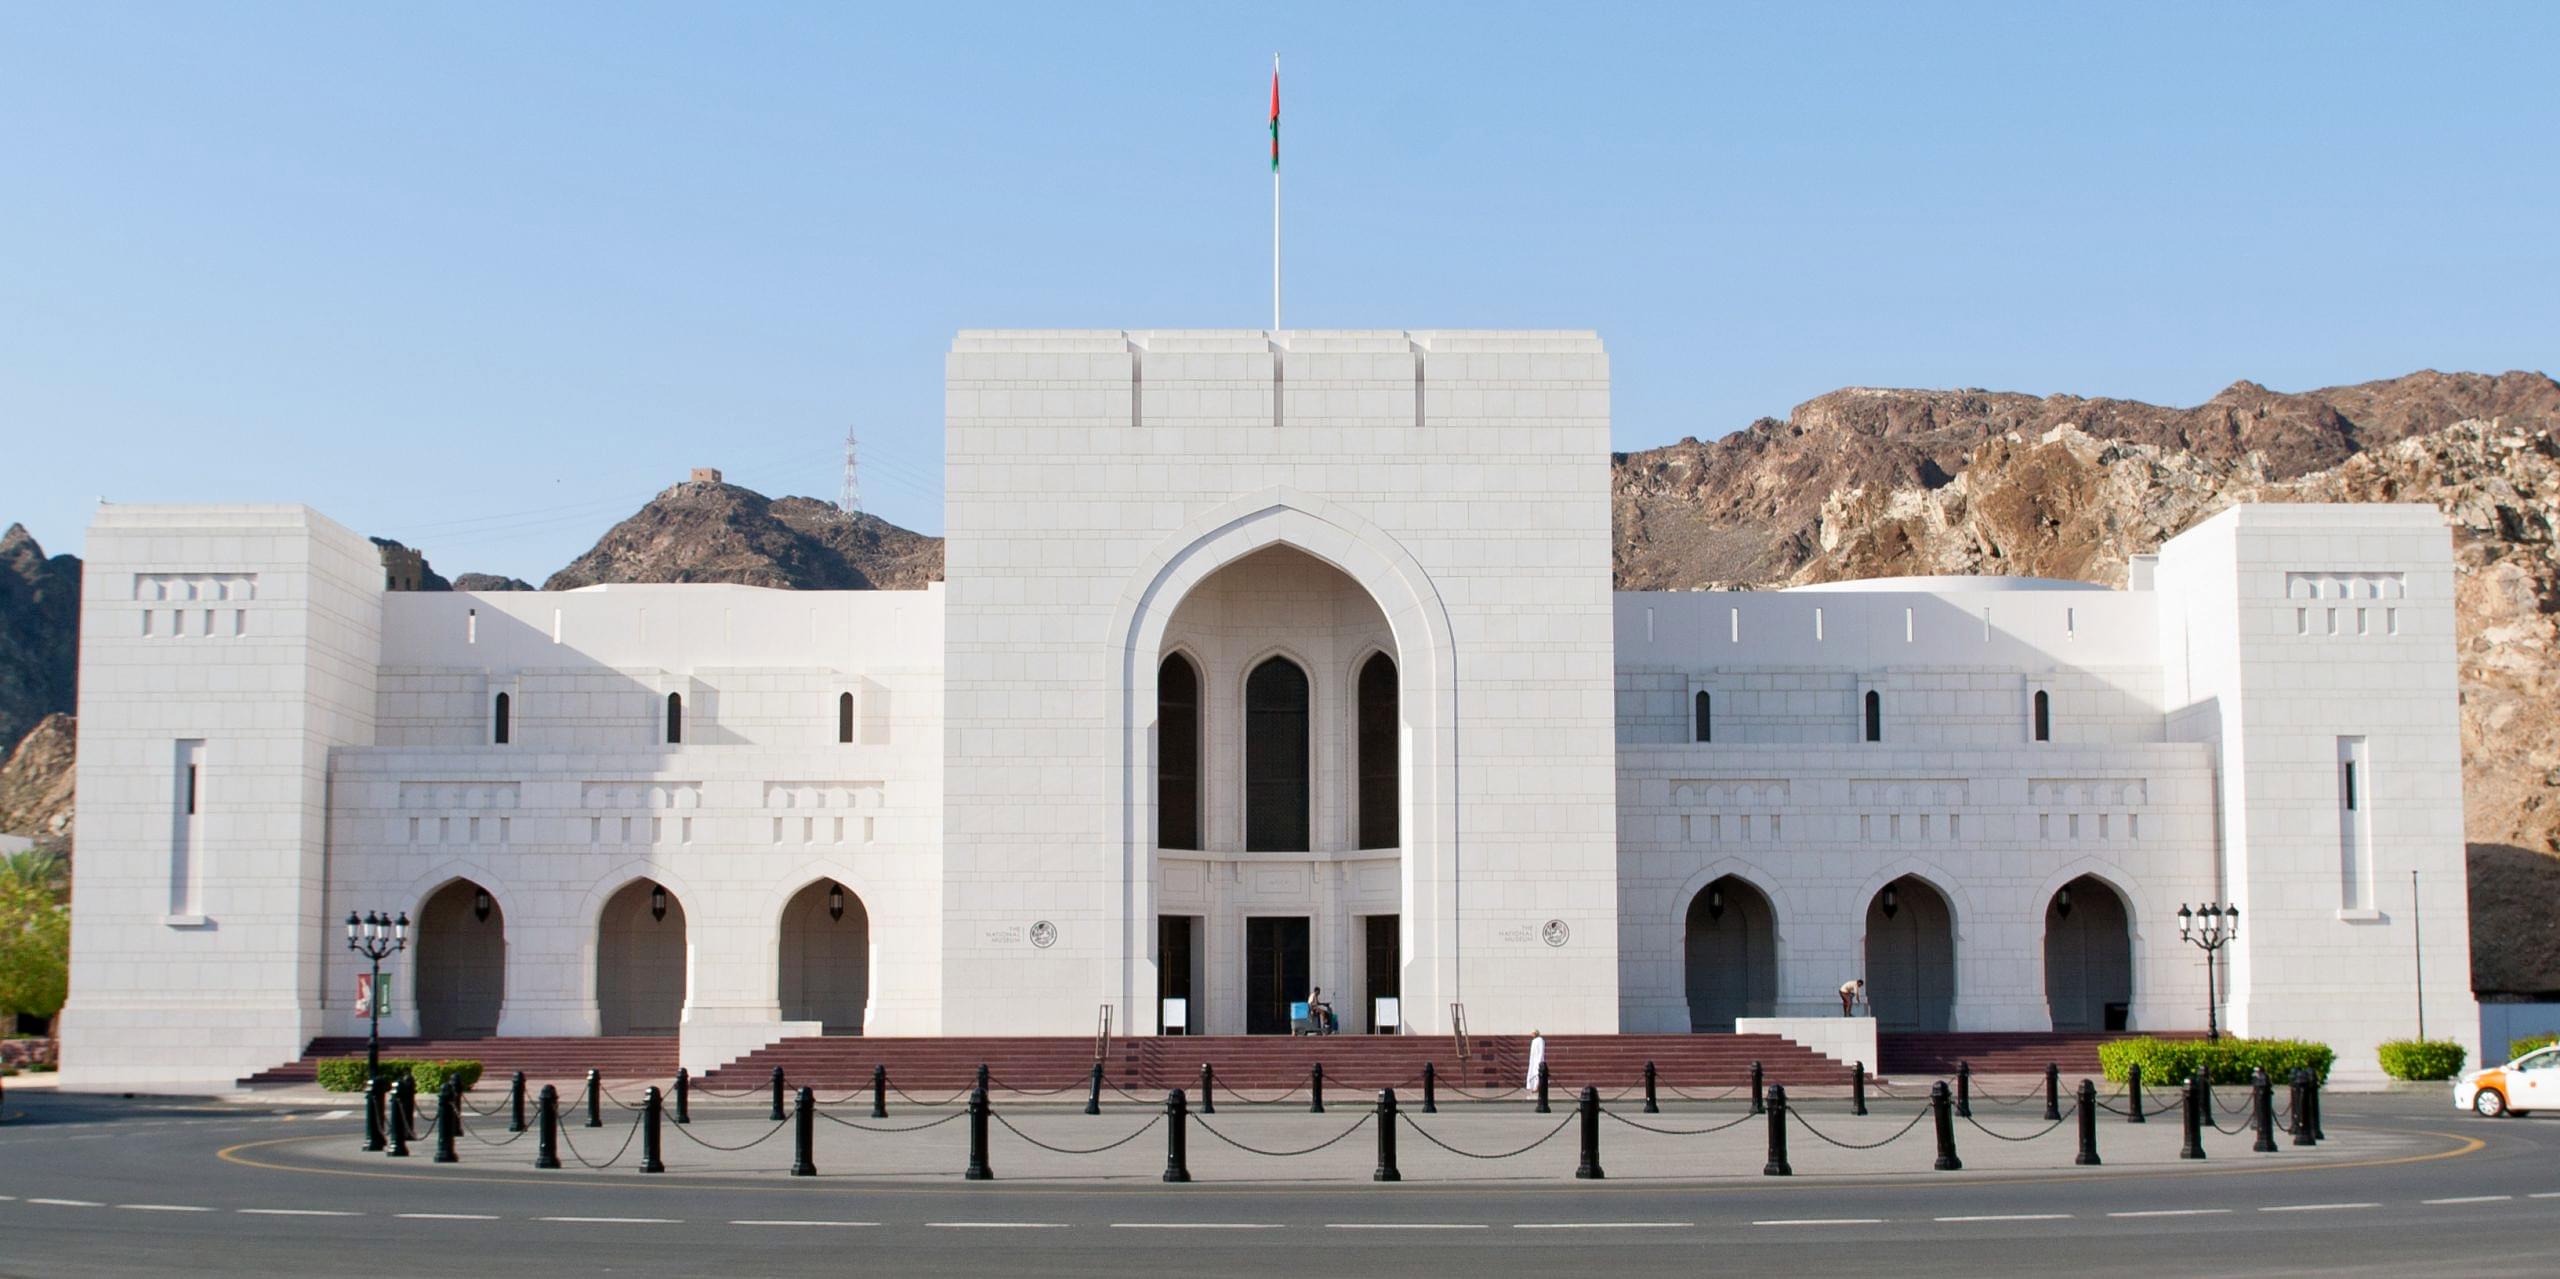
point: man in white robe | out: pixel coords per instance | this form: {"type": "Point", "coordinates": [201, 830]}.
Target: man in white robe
{"type": "Point", "coordinates": [1537, 1059]}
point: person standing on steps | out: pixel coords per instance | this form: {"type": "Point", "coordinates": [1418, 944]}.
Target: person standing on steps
{"type": "Point", "coordinates": [1537, 1059]}
{"type": "Point", "coordinates": [1850, 990]}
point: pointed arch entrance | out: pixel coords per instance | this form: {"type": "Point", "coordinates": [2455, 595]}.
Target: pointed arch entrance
{"type": "Point", "coordinates": [640, 961]}
{"type": "Point", "coordinates": [1911, 957]}
{"type": "Point", "coordinates": [2088, 956]}
{"type": "Point", "coordinates": [461, 950]}
{"type": "Point", "coordinates": [1730, 955]}
{"type": "Point", "coordinates": [826, 958]}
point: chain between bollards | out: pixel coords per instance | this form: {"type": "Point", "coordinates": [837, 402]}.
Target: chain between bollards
{"type": "Point", "coordinates": [1964, 1090]}
{"type": "Point", "coordinates": [653, 1109]}
{"type": "Point", "coordinates": [2088, 1105]}
{"type": "Point", "coordinates": [1940, 1110]}
{"type": "Point", "coordinates": [2262, 1103]}
{"type": "Point", "coordinates": [595, 1099]}
{"type": "Point", "coordinates": [448, 1120]}
{"type": "Point", "coordinates": [1759, 1094]}
{"type": "Point", "coordinates": [1177, 1137]}
{"type": "Point", "coordinates": [1857, 1087]}
{"type": "Point", "coordinates": [1387, 1170]}
{"type": "Point", "coordinates": [684, 1095]}
{"type": "Point", "coordinates": [546, 1143]}
{"type": "Point", "coordinates": [1651, 1107]}
{"type": "Point", "coordinates": [2052, 1092]}
{"type": "Point", "coordinates": [1776, 1104]}
{"type": "Point", "coordinates": [2133, 1095]}
{"type": "Point", "coordinates": [2191, 1140]}
{"type": "Point", "coordinates": [978, 1170]}
{"type": "Point", "coordinates": [804, 1134]}
{"type": "Point", "coordinates": [880, 1091]}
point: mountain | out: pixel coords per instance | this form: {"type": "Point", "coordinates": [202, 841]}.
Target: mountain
{"type": "Point", "coordinates": [705, 530]}
{"type": "Point", "coordinates": [39, 633]}
{"type": "Point", "coordinates": [35, 782]}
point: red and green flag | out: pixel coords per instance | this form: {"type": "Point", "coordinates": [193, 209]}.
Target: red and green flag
{"type": "Point", "coordinates": [1275, 115]}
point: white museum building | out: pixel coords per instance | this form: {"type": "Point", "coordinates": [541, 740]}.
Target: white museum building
{"type": "Point", "coordinates": [1265, 661]}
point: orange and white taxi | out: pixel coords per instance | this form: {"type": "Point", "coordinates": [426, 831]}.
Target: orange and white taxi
{"type": "Point", "coordinates": [2528, 1083]}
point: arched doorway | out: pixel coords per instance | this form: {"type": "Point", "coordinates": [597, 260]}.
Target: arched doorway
{"type": "Point", "coordinates": [1911, 957]}
{"type": "Point", "coordinates": [1374, 742]}
{"type": "Point", "coordinates": [1177, 753]}
{"type": "Point", "coordinates": [1277, 790]}
{"type": "Point", "coordinates": [1731, 955]}
{"type": "Point", "coordinates": [2088, 957]}
{"type": "Point", "coordinates": [462, 962]}
{"type": "Point", "coordinates": [826, 958]}
{"type": "Point", "coordinates": [640, 961]}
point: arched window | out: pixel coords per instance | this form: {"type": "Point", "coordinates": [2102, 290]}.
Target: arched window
{"type": "Point", "coordinates": [1380, 783]}
{"type": "Point", "coordinates": [2044, 716]}
{"type": "Point", "coordinates": [1705, 713]}
{"type": "Point", "coordinates": [1177, 754]}
{"type": "Point", "coordinates": [1275, 758]}
{"type": "Point", "coordinates": [1875, 716]}
{"type": "Point", "coordinates": [844, 717]}
{"type": "Point", "coordinates": [498, 717]}
{"type": "Point", "coordinates": [675, 718]}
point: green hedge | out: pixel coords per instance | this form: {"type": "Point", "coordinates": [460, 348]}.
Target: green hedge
{"type": "Point", "coordinates": [2173, 1061]}
{"type": "Point", "coordinates": [2519, 1047]}
{"type": "Point", "coordinates": [2421, 1058]}
{"type": "Point", "coordinates": [347, 1074]}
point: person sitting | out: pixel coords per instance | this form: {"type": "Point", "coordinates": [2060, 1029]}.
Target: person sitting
{"type": "Point", "coordinates": [1320, 1012]}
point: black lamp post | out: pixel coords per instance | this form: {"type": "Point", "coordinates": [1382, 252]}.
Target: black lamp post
{"type": "Point", "coordinates": [375, 937]}
{"type": "Point", "coordinates": [2209, 928]}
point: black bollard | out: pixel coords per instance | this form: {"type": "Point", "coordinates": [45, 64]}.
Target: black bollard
{"type": "Point", "coordinates": [2318, 1133]}
{"type": "Point", "coordinates": [1777, 1105]}
{"type": "Point", "coordinates": [1430, 1090]}
{"type": "Point", "coordinates": [2052, 1091]}
{"type": "Point", "coordinates": [2191, 1140]}
{"type": "Point", "coordinates": [1947, 1161]}
{"type": "Point", "coordinates": [978, 1170]}
{"type": "Point", "coordinates": [1857, 1087]}
{"type": "Point", "coordinates": [2302, 1108]}
{"type": "Point", "coordinates": [982, 1084]}
{"type": "Point", "coordinates": [374, 1100]}
{"type": "Point", "coordinates": [880, 1091]}
{"type": "Point", "coordinates": [406, 1089]}
{"type": "Point", "coordinates": [1093, 1100]}
{"type": "Point", "coordinates": [546, 1143]}
{"type": "Point", "coordinates": [1759, 1095]}
{"type": "Point", "coordinates": [1651, 1107]}
{"type": "Point", "coordinates": [1177, 1138]}
{"type": "Point", "coordinates": [1315, 1083]}
{"type": "Point", "coordinates": [2133, 1095]}
{"type": "Point", "coordinates": [653, 1110]}
{"type": "Point", "coordinates": [2205, 1081]}
{"type": "Point", "coordinates": [2088, 1156]}
{"type": "Point", "coordinates": [400, 1131]}
{"type": "Point", "coordinates": [1542, 1089]}
{"type": "Point", "coordinates": [1208, 1089]}
{"type": "Point", "coordinates": [515, 1103]}
{"type": "Point", "coordinates": [1964, 1090]}
{"type": "Point", "coordinates": [595, 1099]}
{"type": "Point", "coordinates": [684, 1095]}
{"type": "Point", "coordinates": [1386, 1138]}
{"type": "Point", "coordinates": [1589, 1169]}
{"type": "Point", "coordinates": [2262, 1105]}
{"type": "Point", "coordinates": [776, 1116]}
{"type": "Point", "coordinates": [448, 1121]}
{"type": "Point", "coordinates": [804, 1134]}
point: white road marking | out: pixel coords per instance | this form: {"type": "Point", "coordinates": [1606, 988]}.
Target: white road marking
{"type": "Point", "coordinates": [162, 1208]}
{"type": "Point", "coordinates": [297, 1212]}
{"type": "Point", "coordinates": [2540, 1194]}
{"type": "Point", "coordinates": [2469, 1199]}
{"type": "Point", "coordinates": [803, 1223]}
{"type": "Point", "coordinates": [2175, 1212]}
{"type": "Point", "coordinates": [445, 1216]}
{"type": "Point", "coordinates": [1195, 1225]}
{"type": "Point", "coordinates": [617, 1221]}
{"type": "Point", "coordinates": [2317, 1207]}
{"type": "Point", "coordinates": [1822, 1221]}
{"type": "Point", "coordinates": [1600, 1225]}
{"type": "Point", "coordinates": [997, 1225]}
{"type": "Point", "coordinates": [2014, 1216]}
{"type": "Point", "coordinates": [68, 1203]}
{"type": "Point", "coordinates": [1402, 1225]}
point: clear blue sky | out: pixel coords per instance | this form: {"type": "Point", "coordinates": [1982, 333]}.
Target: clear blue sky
{"type": "Point", "coordinates": [484, 278]}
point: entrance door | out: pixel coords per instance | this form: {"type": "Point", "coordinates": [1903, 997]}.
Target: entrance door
{"type": "Point", "coordinates": [1174, 950]}
{"type": "Point", "coordinates": [1275, 971]}
{"type": "Point", "coordinates": [1384, 968]}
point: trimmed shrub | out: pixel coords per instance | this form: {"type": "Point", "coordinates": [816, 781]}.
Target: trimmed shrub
{"type": "Point", "coordinates": [347, 1074]}
{"type": "Point", "coordinates": [2519, 1047]}
{"type": "Point", "coordinates": [2421, 1058]}
{"type": "Point", "coordinates": [2174, 1061]}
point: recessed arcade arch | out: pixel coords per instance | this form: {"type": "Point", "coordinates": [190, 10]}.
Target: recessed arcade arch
{"type": "Point", "coordinates": [461, 962]}
{"type": "Point", "coordinates": [640, 961]}
{"type": "Point", "coordinates": [1911, 957]}
{"type": "Point", "coordinates": [825, 970]}
{"type": "Point", "coordinates": [1730, 955]}
{"type": "Point", "coordinates": [2088, 956]}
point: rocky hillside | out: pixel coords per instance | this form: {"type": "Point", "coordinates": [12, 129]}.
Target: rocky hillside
{"type": "Point", "coordinates": [1871, 483]}
{"type": "Point", "coordinates": [39, 633]}
{"type": "Point", "coordinates": [706, 530]}
{"type": "Point", "coordinates": [35, 783]}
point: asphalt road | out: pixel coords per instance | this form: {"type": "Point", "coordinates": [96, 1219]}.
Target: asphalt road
{"type": "Point", "coordinates": [96, 1186]}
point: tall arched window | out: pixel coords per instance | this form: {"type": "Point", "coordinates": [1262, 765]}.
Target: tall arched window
{"type": "Point", "coordinates": [1705, 714]}
{"type": "Point", "coordinates": [1275, 758]}
{"type": "Point", "coordinates": [844, 717]}
{"type": "Point", "coordinates": [675, 718]}
{"type": "Point", "coordinates": [1177, 754]}
{"type": "Point", "coordinates": [1875, 716]}
{"type": "Point", "coordinates": [2044, 716]}
{"type": "Point", "coordinates": [498, 717]}
{"type": "Point", "coordinates": [1379, 781]}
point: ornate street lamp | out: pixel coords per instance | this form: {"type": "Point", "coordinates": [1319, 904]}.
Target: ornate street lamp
{"type": "Point", "coordinates": [2209, 928]}
{"type": "Point", "coordinates": [375, 936]}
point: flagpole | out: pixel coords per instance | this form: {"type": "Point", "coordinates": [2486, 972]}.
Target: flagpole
{"type": "Point", "coordinates": [1275, 193]}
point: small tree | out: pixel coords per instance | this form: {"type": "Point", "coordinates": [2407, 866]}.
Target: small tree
{"type": "Point", "coordinates": [35, 948]}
